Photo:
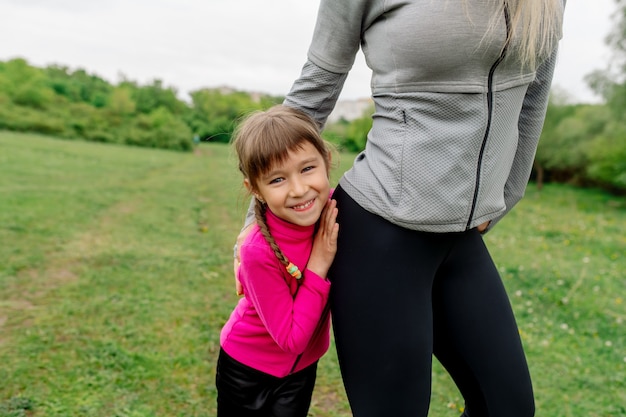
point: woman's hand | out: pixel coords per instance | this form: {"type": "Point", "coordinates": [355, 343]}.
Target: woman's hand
{"type": "Point", "coordinates": [483, 227]}
{"type": "Point", "coordinates": [325, 242]}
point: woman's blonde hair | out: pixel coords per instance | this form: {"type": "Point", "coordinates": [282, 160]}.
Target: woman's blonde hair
{"type": "Point", "coordinates": [535, 26]}
{"type": "Point", "coordinates": [264, 139]}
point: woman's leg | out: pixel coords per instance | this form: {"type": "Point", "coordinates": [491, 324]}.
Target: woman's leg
{"type": "Point", "coordinates": [381, 312]}
{"type": "Point", "coordinates": [476, 336]}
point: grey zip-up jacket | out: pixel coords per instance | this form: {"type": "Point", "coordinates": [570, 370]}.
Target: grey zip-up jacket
{"type": "Point", "coordinates": [456, 121]}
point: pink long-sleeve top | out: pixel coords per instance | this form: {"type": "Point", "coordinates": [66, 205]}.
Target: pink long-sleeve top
{"type": "Point", "coordinates": [274, 328]}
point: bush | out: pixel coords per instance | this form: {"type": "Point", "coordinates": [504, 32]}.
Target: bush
{"type": "Point", "coordinates": [608, 158]}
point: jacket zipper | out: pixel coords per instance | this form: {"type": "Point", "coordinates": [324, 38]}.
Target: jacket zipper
{"type": "Point", "coordinates": [492, 71]}
{"type": "Point", "coordinates": [300, 355]}
{"type": "Point", "coordinates": [293, 368]}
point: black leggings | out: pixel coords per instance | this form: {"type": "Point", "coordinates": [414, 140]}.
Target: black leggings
{"type": "Point", "coordinates": [399, 296]}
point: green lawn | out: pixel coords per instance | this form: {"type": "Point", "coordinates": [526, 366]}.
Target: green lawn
{"type": "Point", "coordinates": [116, 276]}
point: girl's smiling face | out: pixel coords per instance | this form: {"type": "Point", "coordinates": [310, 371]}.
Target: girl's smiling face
{"type": "Point", "coordinates": [297, 189]}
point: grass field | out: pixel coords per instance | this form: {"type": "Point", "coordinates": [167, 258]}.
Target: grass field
{"type": "Point", "coordinates": [115, 278]}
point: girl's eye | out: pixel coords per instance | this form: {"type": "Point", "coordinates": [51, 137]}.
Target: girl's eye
{"type": "Point", "coordinates": [308, 168]}
{"type": "Point", "coordinates": [276, 180]}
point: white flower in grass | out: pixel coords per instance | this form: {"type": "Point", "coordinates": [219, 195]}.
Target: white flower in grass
{"type": "Point", "coordinates": [564, 326]}
{"type": "Point", "coordinates": [608, 343]}
{"type": "Point", "coordinates": [560, 282]}
{"type": "Point", "coordinates": [586, 260]}
{"type": "Point", "coordinates": [518, 293]}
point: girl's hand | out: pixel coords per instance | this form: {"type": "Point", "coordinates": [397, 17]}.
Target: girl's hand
{"type": "Point", "coordinates": [325, 242]}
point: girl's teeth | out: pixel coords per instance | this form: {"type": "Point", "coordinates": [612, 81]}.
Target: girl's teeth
{"type": "Point", "coordinates": [305, 205]}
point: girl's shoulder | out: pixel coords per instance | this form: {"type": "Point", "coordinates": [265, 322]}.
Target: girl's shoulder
{"type": "Point", "coordinates": [254, 244]}
{"type": "Point", "coordinates": [255, 254]}
{"type": "Point", "coordinates": [254, 236]}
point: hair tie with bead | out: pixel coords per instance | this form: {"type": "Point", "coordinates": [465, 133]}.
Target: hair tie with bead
{"type": "Point", "coordinates": [294, 271]}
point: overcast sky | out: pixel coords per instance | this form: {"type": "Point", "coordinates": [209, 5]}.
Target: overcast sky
{"type": "Point", "coordinates": [250, 45]}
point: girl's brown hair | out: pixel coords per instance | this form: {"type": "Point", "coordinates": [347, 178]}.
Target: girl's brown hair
{"type": "Point", "coordinates": [264, 139]}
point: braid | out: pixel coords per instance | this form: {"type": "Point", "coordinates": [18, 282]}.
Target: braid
{"type": "Point", "coordinates": [259, 212]}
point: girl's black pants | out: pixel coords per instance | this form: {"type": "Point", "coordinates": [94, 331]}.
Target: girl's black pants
{"type": "Point", "coordinates": [243, 391]}
{"type": "Point", "coordinates": [399, 296]}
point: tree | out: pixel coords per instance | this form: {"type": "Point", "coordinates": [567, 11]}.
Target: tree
{"type": "Point", "coordinates": [610, 82]}
{"type": "Point", "coordinates": [150, 97]}
{"type": "Point", "coordinates": [25, 85]}
{"type": "Point", "coordinates": [609, 153]}
{"type": "Point", "coordinates": [121, 103]}
{"type": "Point", "coordinates": [216, 112]}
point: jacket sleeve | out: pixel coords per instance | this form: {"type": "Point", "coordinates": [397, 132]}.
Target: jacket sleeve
{"type": "Point", "coordinates": [338, 32]}
{"type": "Point", "coordinates": [290, 321]}
{"type": "Point", "coordinates": [316, 92]}
{"type": "Point", "coordinates": [336, 41]}
{"type": "Point", "coordinates": [530, 124]}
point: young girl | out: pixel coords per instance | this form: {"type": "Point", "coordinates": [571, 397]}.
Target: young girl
{"type": "Point", "coordinates": [280, 328]}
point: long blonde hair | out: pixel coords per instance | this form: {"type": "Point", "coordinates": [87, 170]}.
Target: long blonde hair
{"type": "Point", "coordinates": [264, 139]}
{"type": "Point", "coordinates": [535, 26]}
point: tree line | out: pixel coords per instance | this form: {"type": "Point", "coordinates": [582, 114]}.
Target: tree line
{"type": "Point", "coordinates": [74, 104]}
{"type": "Point", "coordinates": [581, 143]}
